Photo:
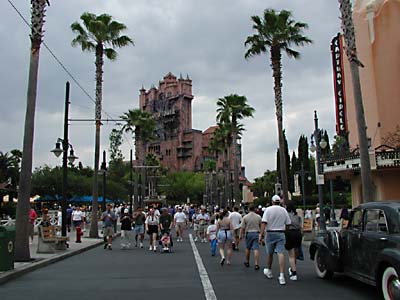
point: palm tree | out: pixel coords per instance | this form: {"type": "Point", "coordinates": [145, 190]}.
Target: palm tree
{"type": "Point", "coordinates": [233, 108]}
{"type": "Point", "coordinates": [101, 35]}
{"type": "Point", "coordinates": [22, 252]}
{"type": "Point", "coordinates": [351, 51]}
{"type": "Point", "coordinates": [278, 32]}
{"type": "Point", "coordinates": [142, 125]}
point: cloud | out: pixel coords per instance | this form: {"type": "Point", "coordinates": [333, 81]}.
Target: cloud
{"type": "Point", "coordinates": [204, 39]}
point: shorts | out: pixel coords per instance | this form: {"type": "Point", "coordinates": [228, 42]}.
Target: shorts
{"type": "Point", "coordinates": [139, 229]}
{"type": "Point", "coordinates": [203, 228]}
{"type": "Point", "coordinates": [152, 229]}
{"type": "Point", "coordinates": [77, 223]}
{"type": "Point", "coordinates": [179, 225]}
{"type": "Point", "coordinates": [293, 239]}
{"type": "Point", "coordinates": [196, 227]}
{"type": "Point", "coordinates": [236, 233]}
{"type": "Point", "coordinates": [275, 242]}
{"type": "Point", "coordinates": [224, 235]}
{"type": "Point", "coordinates": [108, 231]}
{"type": "Point", "coordinates": [252, 241]}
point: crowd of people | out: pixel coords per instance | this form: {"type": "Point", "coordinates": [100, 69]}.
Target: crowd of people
{"type": "Point", "coordinates": [277, 227]}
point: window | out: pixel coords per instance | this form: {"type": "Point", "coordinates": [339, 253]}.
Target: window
{"type": "Point", "coordinates": [356, 220]}
{"type": "Point", "coordinates": [375, 221]}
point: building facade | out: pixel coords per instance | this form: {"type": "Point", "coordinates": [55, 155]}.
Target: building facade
{"type": "Point", "coordinates": [377, 24]}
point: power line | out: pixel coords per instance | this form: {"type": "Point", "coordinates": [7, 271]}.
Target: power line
{"type": "Point", "coordinates": [62, 65]}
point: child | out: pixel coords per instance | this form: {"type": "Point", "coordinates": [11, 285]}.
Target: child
{"type": "Point", "coordinates": [212, 236]}
{"type": "Point", "coordinates": [165, 241]}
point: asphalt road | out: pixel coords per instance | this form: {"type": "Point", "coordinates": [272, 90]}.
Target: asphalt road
{"type": "Point", "coordinates": [141, 274]}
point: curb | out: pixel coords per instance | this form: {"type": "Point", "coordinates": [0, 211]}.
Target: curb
{"type": "Point", "coordinates": [46, 262]}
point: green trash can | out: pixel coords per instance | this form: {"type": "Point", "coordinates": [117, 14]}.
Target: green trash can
{"type": "Point", "coordinates": [7, 243]}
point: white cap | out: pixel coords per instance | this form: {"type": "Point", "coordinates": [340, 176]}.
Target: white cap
{"type": "Point", "coordinates": [126, 211]}
{"type": "Point", "coordinates": [259, 206]}
{"type": "Point", "coordinates": [276, 198]}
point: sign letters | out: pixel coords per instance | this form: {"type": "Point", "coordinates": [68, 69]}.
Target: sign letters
{"type": "Point", "coordinates": [338, 78]}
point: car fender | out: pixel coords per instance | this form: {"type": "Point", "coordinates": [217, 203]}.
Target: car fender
{"type": "Point", "coordinates": [387, 257]}
{"type": "Point", "coordinates": [329, 246]}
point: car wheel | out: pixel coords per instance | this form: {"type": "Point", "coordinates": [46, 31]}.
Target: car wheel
{"type": "Point", "coordinates": [390, 284]}
{"type": "Point", "coordinates": [320, 268]}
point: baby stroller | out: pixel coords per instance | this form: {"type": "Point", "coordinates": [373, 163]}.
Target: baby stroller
{"type": "Point", "coordinates": [163, 249]}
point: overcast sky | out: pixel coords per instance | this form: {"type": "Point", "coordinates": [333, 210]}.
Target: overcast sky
{"type": "Point", "coordinates": [204, 39]}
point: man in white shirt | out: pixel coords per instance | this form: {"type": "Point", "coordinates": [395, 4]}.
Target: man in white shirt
{"type": "Point", "coordinates": [179, 222]}
{"type": "Point", "coordinates": [236, 219]}
{"type": "Point", "coordinates": [274, 222]}
{"type": "Point", "coordinates": [203, 219]}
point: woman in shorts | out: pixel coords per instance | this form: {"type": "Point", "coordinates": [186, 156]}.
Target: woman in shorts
{"type": "Point", "coordinates": [152, 224]}
{"type": "Point", "coordinates": [224, 235]}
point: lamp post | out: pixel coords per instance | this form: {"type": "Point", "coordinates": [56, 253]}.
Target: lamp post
{"type": "Point", "coordinates": [71, 158]}
{"type": "Point", "coordinates": [103, 172]}
{"type": "Point", "coordinates": [319, 143]}
{"type": "Point", "coordinates": [302, 174]}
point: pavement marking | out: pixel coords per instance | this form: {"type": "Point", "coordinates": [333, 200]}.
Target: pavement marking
{"type": "Point", "coordinates": [205, 280]}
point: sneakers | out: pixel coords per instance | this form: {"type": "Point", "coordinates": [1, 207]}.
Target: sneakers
{"type": "Point", "coordinates": [195, 239]}
{"type": "Point", "coordinates": [141, 245]}
{"type": "Point", "coordinates": [151, 248]}
{"type": "Point", "coordinates": [292, 276]}
{"type": "Point", "coordinates": [281, 279]}
{"type": "Point", "coordinates": [222, 261]}
{"type": "Point", "coordinates": [109, 247]}
{"type": "Point", "coordinates": [105, 246]}
{"type": "Point", "coordinates": [268, 273]}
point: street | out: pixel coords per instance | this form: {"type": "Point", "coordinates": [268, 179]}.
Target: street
{"type": "Point", "coordinates": [142, 274]}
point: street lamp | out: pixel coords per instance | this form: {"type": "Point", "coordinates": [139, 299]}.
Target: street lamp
{"type": "Point", "coordinates": [71, 158]}
{"type": "Point", "coordinates": [103, 171]}
{"type": "Point", "coordinates": [302, 174]}
{"type": "Point", "coordinates": [320, 143]}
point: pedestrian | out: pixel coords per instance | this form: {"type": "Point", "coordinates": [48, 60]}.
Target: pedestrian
{"type": "Point", "coordinates": [344, 217]}
{"type": "Point", "coordinates": [317, 217]}
{"type": "Point", "coordinates": [196, 225]}
{"type": "Point", "coordinates": [77, 217]}
{"type": "Point", "coordinates": [224, 235]}
{"type": "Point", "coordinates": [212, 236]}
{"type": "Point", "coordinates": [250, 229]}
{"type": "Point", "coordinates": [203, 219]}
{"type": "Point", "coordinates": [108, 217]}
{"type": "Point", "coordinates": [126, 229]}
{"type": "Point", "coordinates": [179, 223]}
{"type": "Point", "coordinates": [69, 217]}
{"type": "Point", "coordinates": [166, 222]}
{"type": "Point", "coordinates": [236, 219]}
{"type": "Point", "coordinates": [152, 223]}
{"type": "Point", "coordinates": [165, 241]}
{"type": "Point", "coordinates": [293, 238]}
{"type": "Point", "coordinates": [274, 221]}
{"type": "Point", "coordinates": [139, 218]}
{"type": "Point", "coordinates": [31, 225]}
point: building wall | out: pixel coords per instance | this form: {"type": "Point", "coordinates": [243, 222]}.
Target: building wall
{"type": "Point", "coordinates": [377, 24]}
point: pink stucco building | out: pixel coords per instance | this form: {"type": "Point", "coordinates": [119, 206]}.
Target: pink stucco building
{"type": "Point", "coordinates": [377, 24]}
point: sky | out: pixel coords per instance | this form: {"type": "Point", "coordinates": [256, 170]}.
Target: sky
{"type": "Point", "coordinates": [203, 39]}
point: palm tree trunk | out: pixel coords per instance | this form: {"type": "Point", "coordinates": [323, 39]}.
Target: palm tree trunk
{"type": "Point", "coordinates": [236, 190]}
{"type": "Point", "coordinates": [351, 50]}
{"type": "Point", "coordinates": [94, 231]}
{"type": "Point", "coordinates": [22, 252]}
{"type": "Point", "coordinates": [277, 74]}
{"type": "Point", "coordinates": [228, 176]}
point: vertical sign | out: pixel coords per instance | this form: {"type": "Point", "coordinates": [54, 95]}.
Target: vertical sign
{"type": "Point", "coordinates": [338, 78]}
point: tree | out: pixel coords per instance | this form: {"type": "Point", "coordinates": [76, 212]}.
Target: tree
{"type": "Point", "coordinates": [231, 109]}
{"type": "Point", "coordinates": [142, 125]}
{"type": "Point", "coordinates": [264, 186]}
{"type": "Point", "coordinates": [277, 31]}
{"type": "Point", "coordinates": [22, 252]}
{"type": "Point", "coordinates": [351, 51]}
{"type": "Point", "coordinates": [99, 34]}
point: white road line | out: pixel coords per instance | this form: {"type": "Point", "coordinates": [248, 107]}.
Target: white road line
{"type": "Point", "coordinates": [205, 280]}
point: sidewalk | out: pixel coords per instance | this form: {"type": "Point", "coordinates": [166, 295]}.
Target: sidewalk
{"type": "Point", "coordinates": [40, 260]}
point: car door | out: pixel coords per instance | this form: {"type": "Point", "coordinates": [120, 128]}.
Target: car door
{"type": "Point", "coordinates": [374, 239]}
{"type": "Point", "coordinates": [353, 247]}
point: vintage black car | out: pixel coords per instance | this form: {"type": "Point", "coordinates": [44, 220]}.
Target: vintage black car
{"type": "Point", "coordinates": [367, 250]}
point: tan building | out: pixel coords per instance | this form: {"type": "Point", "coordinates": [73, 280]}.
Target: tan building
{"type": "Point", "coordinates": [377, 24]}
